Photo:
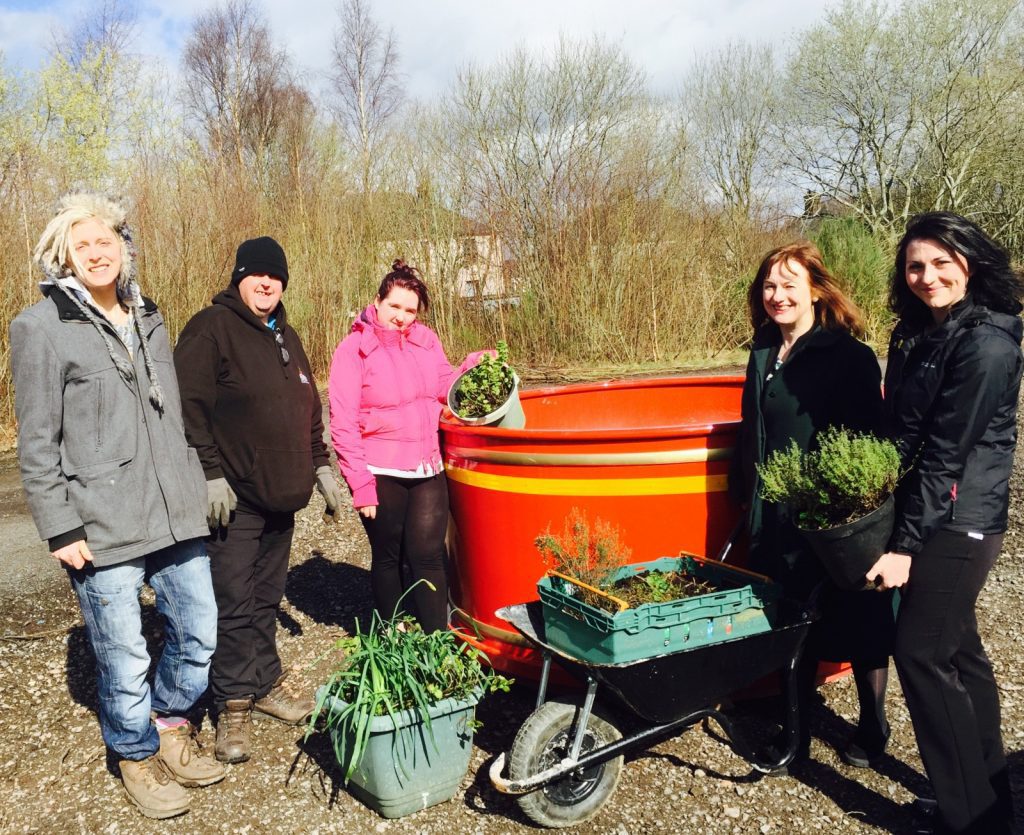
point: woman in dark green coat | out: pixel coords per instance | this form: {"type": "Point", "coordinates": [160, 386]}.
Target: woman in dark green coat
{"type": "Point", "coordinates": [807, 372]}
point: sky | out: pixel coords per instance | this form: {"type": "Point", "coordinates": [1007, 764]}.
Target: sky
{"type": "Point", "coordinates": [437, 37]}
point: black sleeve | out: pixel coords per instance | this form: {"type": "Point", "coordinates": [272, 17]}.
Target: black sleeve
{"type": "Point", "coordinates": [740, 467]}
{"type": "Point", "coordinates": [858, 390]}
{"type": "Point", "coordinates": [197, 363]}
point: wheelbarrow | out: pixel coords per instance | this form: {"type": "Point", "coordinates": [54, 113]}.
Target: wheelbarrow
{"type": "Point", "coordinates": [566, 758]}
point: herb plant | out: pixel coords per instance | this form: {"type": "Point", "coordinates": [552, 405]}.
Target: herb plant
{"type": "Point", "coordinates": [589, 553]}
{"type": "Point", "coordinates": [391, 667]}
{"type": "Point", "coordinates": [487, 385]}
{"type": "Point", "coordinates": [846, 477]}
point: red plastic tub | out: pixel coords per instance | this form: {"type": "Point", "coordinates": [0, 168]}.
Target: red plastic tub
{"type": "Point", "coordinates": [650, 456]}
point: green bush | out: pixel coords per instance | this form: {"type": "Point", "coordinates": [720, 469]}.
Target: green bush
{"type": "Point", "coordinates": [848, 476]}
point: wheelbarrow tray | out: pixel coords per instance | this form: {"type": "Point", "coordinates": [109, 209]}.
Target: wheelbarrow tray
{"type": "Point", "coordinates": [664, 688]}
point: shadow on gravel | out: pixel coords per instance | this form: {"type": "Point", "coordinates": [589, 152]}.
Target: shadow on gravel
{"type": "Point", "coordinates": [331, 593]}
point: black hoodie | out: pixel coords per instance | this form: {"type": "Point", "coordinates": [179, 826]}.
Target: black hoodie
{"type": "Point", "coordinates": [252, 417]}
{"type": "Point", "coordinates": [951, 407]}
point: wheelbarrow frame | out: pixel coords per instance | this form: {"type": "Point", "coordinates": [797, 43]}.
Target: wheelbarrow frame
{"type": "Point", "coordinates": [701, 676]}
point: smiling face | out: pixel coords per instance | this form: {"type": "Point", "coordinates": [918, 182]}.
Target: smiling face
{"type": "Point", "coordinates": [96, 255]}
{"type": "Point", "coordinates": [936, 275]}
{"type": "Point", "coordinates": [261, 294]}
{"type": "Point", "coordinates": [398, 309]}
{"type": "Point", "coordinates": [788, 297]}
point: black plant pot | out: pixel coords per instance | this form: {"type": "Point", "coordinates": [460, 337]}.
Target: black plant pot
{"type": "Point", "coordinates": [848, 551]}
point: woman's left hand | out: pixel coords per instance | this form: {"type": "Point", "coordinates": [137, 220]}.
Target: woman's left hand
{"type": "Point", "coordinates": [890, 572]}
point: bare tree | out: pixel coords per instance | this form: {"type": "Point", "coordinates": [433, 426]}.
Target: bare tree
{"type": "Point", "coordinates": [235, 80]}
{"type": "Point", "coordinates": [729, 101]}
{"type": "Point", "coordinates": [110, 26]}
{"type": "Point", "coordinates": [366, 81]}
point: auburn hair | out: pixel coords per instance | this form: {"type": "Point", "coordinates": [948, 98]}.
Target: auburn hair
{"type": "Point", "coordinates": [833, 310]}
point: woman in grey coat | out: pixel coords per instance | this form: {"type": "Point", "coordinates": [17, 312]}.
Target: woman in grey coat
{"type": "Point", "coordinates": [117, 493]}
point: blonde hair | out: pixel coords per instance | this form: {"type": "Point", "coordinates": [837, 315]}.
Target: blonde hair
{"type": "Point", "coordinates": [54, 252]}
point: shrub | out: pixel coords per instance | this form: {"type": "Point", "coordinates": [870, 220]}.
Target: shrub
{"type": "Point", "coordinates": [848, 476]}
{"type": "Point", "coordinates": [591, 554]}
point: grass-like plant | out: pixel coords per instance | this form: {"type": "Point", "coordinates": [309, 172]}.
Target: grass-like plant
{"type": "Point", "coordinates": [487, 385]}
{"type": "Point", "coordinates": [590, 553]}
{"type": "Point", "coordinates": [846, 477]}
{"type": "Point", "coordinates": [391, 667]}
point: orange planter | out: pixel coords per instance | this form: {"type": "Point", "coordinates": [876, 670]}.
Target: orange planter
{"type": "Point", "coordinates": [650, 456]}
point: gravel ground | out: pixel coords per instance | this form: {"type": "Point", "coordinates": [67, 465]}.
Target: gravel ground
{"type": "Point", "coordinates": [55, 777]}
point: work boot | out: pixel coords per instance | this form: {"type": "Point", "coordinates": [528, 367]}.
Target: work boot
{"type": "Point", "coordinates": [284, 704]}
{"type": "Point", "coordinates": [151, 787]}
{"type": "Point", "coordinates": [182, 755]}
{"type": "Point", "coordinates": [234, 731]}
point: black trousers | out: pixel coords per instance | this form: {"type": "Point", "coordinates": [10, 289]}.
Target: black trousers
{"type": "Point", "coordinates": [949, 685]}
{"type": "Point", "coordinates": [249, 566]}
{"type": "Point", "coordinates": [408, 533]}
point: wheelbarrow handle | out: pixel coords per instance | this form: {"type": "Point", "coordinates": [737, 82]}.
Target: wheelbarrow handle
{"type": "Point", "coordinates": [734, 536]}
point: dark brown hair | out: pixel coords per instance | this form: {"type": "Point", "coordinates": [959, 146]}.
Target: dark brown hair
{"type": "Point", "coordinates": [833, 310]}
{"type": "Point", "coordinates": [993, 282]}
{"type": "Point", "coordinates": [402, 275]}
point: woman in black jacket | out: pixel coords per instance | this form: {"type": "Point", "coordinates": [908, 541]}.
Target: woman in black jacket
{"type": "Point", "coordinates": [807, 372]}
{"type": "Point", "coordinates": [952, 383]}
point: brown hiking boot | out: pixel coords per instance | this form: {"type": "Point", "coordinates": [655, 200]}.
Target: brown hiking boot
{"type": "Point", "coordinates": [234, 731]}
{"type": "Point", "coordinates": [284, 703]}
{"type": "Point", "coordinates": [151, 787]}
{"type": "Point", "coordinates": [182, 755]}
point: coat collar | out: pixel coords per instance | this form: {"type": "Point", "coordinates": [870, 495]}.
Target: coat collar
{"type": "Point", "coordinates": [230, 298]}
{"type": "Point", "coordinates": [69, 312]}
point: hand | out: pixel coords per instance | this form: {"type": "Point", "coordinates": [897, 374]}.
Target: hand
{"type": "Point", "coordinates": [221, 501]}
{"type": "Point", "coordinates": [892, 571]}
{"type": "Point", "coordinates": [329, 489]}
{"type": "Point", "coordinates": [368, 511]}
{"type": "Point", "coordinates": [77, 554]}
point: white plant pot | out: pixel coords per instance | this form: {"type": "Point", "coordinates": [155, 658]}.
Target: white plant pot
{"type": "Point", "coordinates": [509, 415]}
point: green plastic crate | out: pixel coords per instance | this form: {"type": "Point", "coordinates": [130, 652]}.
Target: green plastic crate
{"type": "Point", "coordinates": [741, 605]}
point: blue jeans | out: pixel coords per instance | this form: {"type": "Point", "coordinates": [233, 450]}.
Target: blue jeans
{"type": "Point", "coordinates": [109, 598]}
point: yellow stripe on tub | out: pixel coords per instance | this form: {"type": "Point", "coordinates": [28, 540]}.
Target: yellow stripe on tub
{"type": "Point", "coordinates": [664, 486]}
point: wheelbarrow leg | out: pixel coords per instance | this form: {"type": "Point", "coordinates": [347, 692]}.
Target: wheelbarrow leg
{"type": "Point", "coordinates": [581, 726]}
{"type": "Point", "coordinates": [545, 672]}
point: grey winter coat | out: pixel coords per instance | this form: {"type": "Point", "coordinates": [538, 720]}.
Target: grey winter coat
{"type": "Point", "coordinates": [98, 461]}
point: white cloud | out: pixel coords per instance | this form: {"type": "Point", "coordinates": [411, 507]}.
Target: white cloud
{"type": "Point", "coordinates": [436, 37]}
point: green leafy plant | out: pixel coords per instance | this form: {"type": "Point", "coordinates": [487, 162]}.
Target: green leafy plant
{"type": "Point", "coordinates": [391, 667]}
{"type": "Point", "coordinates": [846, 477]}
{"type": "Point", "coordinates": [589, 553]}
{"type": "Point", "coordinates": [486, 386]}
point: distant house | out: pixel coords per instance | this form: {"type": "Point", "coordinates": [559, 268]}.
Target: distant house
{"type": "Point", "coordinates": [452, 250]}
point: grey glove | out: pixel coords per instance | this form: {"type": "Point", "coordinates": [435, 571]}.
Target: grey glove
{"type": "Point", "coordinates": [221, 501]}
{"type": "Point", "coordinates": [329, 489]}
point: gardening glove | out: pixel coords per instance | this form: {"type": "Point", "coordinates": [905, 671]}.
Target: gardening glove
{"type": "Point", "coordinates": [329, 489]}
{"type": "Point", "coordinates": [221, 501]}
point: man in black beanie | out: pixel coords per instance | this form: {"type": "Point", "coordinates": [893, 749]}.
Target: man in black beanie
{"type": "Point", "coordinates": [252, 411]}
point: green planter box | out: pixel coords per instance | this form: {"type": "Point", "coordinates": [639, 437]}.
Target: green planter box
{"type": "Point", "coordinates": [742, 605]}
{"type": "Point", "coordinates": [412, 767]}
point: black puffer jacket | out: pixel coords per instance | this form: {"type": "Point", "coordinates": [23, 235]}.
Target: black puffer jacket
{"type": "Point", "coordinates": [951, 408]}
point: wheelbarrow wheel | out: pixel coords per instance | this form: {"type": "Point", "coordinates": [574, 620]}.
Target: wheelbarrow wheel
{"type": "Point", "coordinates": [544, 741]}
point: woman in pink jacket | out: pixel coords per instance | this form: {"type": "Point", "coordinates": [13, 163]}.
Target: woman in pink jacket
{"type": "Point", "coordinates": [389, 379]}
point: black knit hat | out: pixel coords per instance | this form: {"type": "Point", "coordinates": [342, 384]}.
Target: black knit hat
{"type": "Point", "coordinates": [260, 256]}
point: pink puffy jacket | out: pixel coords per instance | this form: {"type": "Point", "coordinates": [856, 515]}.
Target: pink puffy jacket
{"type": "Point", "coordinates": [386, 391]}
